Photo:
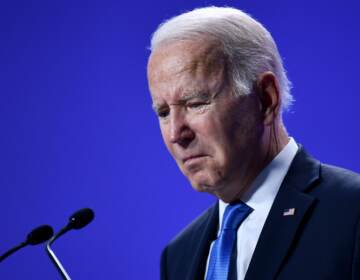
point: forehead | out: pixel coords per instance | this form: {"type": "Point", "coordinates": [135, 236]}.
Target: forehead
{"type": "Point", "coordinates": [183, 66]}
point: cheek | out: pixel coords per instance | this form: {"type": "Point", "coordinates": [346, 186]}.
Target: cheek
{"type": "Point", "coordinates": [208, 126]}
{"type": "Point", "coordinates": [216, 135]}
{"type": "Point", "coordinates": [227, 135]}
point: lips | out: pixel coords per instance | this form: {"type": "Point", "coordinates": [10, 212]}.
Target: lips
{"type": "Point", "coordinates": [193, 157]}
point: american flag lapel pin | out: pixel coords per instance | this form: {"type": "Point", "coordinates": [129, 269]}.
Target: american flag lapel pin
{"type": "Point", "coordinates": [289, 212]}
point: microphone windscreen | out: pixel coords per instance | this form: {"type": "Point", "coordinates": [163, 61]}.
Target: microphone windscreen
{"type": "Point", "coordinates": [81, 218]}
{"type": "Point", "coordinates": [39, 235]}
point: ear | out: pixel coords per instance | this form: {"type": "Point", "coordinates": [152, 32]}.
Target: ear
{"type": "Point", "coordinates": [268, 91]}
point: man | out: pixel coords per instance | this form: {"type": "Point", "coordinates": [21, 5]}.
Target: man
{"type": "Point", "coordinates": [219, 89]}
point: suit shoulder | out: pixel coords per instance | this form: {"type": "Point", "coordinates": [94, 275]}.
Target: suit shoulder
{"type": "Point", "coordinates": [339, 186]}
{"type": "Point", "coordinates": [344, 179]}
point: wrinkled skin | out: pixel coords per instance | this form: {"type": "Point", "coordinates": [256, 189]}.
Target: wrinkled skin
{"type": "Point", "coordinates": [219, 141]}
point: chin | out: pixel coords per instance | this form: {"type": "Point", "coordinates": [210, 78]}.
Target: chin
{"type": "Point", "coordinates": [206, 186]}
{"type": "Point", "coordinates": [205, 180]}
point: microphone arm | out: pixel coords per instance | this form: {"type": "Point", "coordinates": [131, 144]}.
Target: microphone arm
{"type": "Point", "coordinates": [36, 236]}
{"type": "Point", "coordinates": [78, 220]}
{"type": "Point", "coordinates": [53, 257]}
{"type": "Point", "coordinates": [12, 250]}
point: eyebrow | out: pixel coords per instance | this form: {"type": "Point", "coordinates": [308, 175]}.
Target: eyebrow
{"type": "Point", "coordinates": [202, 95]}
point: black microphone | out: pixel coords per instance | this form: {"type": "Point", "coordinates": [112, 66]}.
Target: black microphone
{"type": "Point", "coordinates": [36, 236]}
{"type": "Point", "coordinates": [78, 220]}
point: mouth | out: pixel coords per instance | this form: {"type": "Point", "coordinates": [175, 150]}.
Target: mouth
{"type": "Point", "coordinates": [192, 158]}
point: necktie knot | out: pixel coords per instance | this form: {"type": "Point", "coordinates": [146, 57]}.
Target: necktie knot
{"type": "Point", "coordinates": [234, 215]}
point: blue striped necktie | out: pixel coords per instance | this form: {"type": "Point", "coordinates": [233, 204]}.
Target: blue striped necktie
{"type": "Point", "coordinates": [219, 262]}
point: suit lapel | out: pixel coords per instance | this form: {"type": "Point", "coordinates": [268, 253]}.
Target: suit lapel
{"type": "Point", "coordinates": [279, 231]}
{"type": "Point", "coordinates": [202, 238]}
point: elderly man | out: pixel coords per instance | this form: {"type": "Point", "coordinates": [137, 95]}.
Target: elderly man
{"type": "Point", "coordinates": [219, 89]}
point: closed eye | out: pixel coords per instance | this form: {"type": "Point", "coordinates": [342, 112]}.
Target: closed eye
{"type": "Point", "coordinates": [162, 113]}
{"type": "Point", "coordinates": [197, 104]}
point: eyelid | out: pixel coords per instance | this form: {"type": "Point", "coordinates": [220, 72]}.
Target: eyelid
{"type": "Point", "coordinates": [197, 104]}
{"type": "Point", "coordinates": [159, 110]}
{"type": "Point", "coordinates": [162, 113]}
{"type": "Point", "coordinates": [195, 101]}
{"type": "Point", "coordinates": [198, 101]}
{"type": "Point", "coordinates": [202, 96]}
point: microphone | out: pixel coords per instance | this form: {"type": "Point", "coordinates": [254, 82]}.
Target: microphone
{"type": "Point", "coordinates": [78, 220]}
{"type": "Point", "coordinates": [36, 236]}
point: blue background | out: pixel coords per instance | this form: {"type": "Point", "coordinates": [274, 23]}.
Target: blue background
{"type": "Point", "coordinates": [77, 128]}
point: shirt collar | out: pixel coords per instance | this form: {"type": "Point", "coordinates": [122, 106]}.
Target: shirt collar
{"type": "Point", "coordinates": [263, 190]}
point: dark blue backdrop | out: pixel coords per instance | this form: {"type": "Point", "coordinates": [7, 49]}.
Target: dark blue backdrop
{"type": "Point", "coordinates": [77, 129]}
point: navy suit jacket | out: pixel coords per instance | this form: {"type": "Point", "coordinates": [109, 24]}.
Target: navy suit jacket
{"type": "Point", "coordinates": [321, 241]}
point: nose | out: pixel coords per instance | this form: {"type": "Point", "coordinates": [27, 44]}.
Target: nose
{"type": "Point", "coordinates": [180, 130]}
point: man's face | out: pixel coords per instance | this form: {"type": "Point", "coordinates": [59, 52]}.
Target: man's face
{"type": "Point", "coordinates": [213, 136]}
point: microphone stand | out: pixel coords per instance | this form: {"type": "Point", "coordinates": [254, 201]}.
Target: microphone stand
{"type": "Point", "coordinates": [36, 236]}
{"type": "Point", "coordinates": [78, 220]}
{"type": "Point", "coordinates": [13, 250]}
{"type": "Point", "coordinates": [53, 257]}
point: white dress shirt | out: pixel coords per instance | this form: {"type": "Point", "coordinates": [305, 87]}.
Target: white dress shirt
{"type": "Point", "coordinates": [260, 198]}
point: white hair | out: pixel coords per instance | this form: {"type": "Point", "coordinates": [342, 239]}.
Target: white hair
{"type": "Point", "coordinates": [246, 43]}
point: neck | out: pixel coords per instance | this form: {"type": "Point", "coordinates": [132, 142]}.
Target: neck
{"type": "Point", "coordinates": [275, 138]}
